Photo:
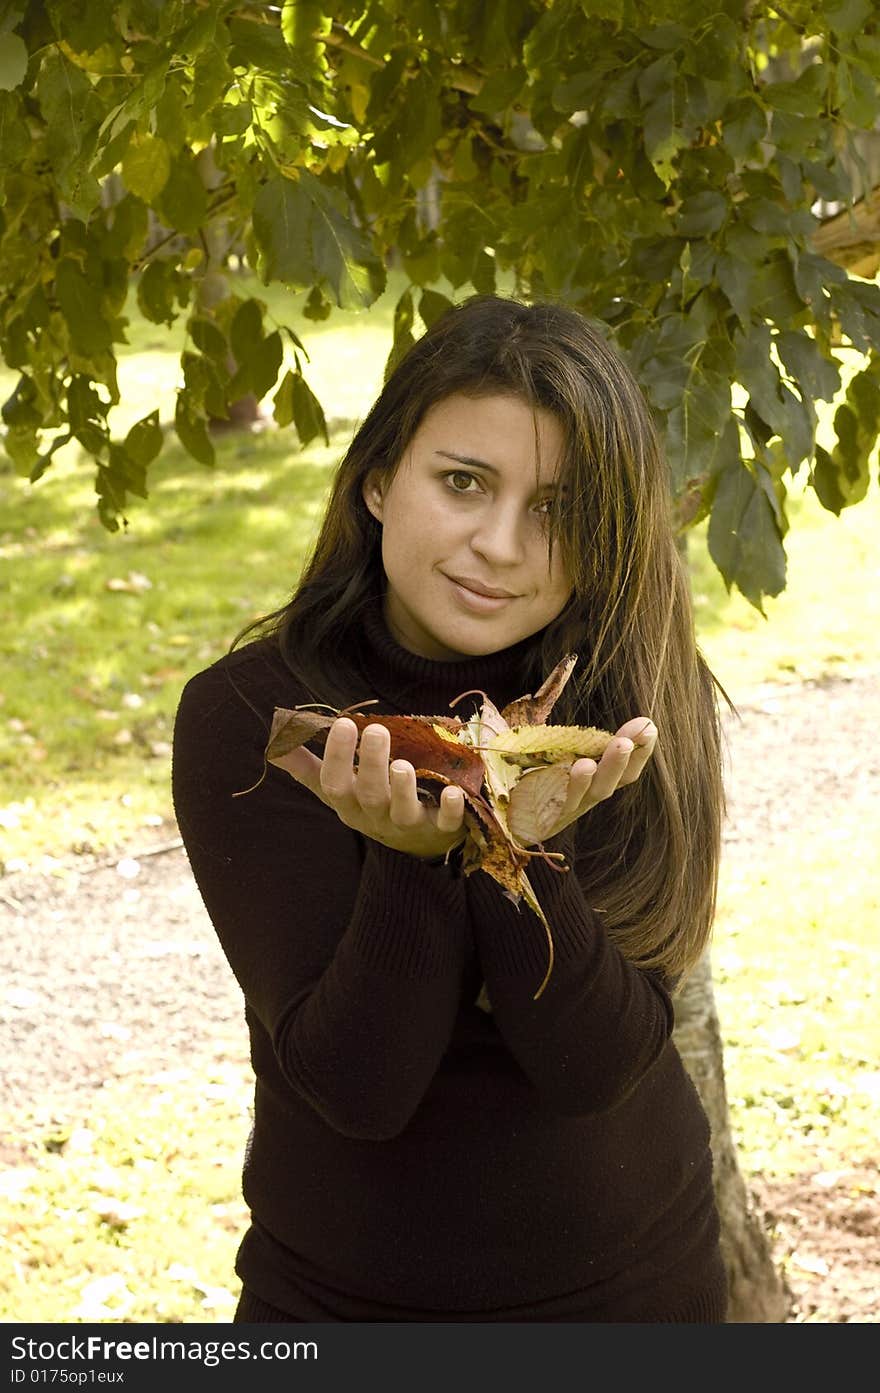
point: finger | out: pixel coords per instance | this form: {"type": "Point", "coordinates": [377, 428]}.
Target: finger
{"type": "Point", "coordinates": [337, 768]}
{"type": "Point", "coordinates": [639, 729]}
{"type": "Point", "coordinates": [405, 810]}
{"type": "Point", "coordinates": [611, 769]}
{"type": "Point", "coordinates": [372, 785]}
{"type": "Point", "coordinates": [304, 767]}
{"type": "Point", "coordinates": [450, 814]}
{"type": "Point", "coordinates": [580, 778]}
{"type": "Point", "coordinates": [643, 734]}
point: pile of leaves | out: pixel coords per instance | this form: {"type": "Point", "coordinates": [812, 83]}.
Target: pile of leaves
{"type": "Point", "coordinates": [512, 767]}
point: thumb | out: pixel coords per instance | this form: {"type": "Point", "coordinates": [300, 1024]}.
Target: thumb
{"type": "Point", "coordinates": [303, 766]}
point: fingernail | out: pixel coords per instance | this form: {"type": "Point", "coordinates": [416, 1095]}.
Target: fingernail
{"type": "Point", "coordinates": [625, 747]}
{"type": "Point", "coordinates": [398, 766]}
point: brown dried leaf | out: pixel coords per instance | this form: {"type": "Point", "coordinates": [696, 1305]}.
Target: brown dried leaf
{"type": "Point", "coordinates": [534, 710]}
{"type": "Point", "coordinates": [413, 738]}
{"type": "Point", "coordinates": [536, 803]}
{"type": "Point", "coordinates": [290, 729]}
{"type": "Point", "coordinates": [508, 812]}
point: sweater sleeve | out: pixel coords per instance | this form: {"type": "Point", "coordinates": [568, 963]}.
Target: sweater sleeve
{"type": "Point", "coordinates": [600, 1023]}
{"type": "Point", "coordinates": [350, 955]}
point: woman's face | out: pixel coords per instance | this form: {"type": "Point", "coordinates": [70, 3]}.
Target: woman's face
{"type": "Point", "coordinates": [462, 517]}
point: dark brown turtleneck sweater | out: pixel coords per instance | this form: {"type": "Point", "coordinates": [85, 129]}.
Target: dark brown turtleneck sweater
{"type": "Point", "coordinates": [414, 1157]}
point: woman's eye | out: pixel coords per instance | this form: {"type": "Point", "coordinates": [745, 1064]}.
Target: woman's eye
{"type": "Point", "coordinates": [455, 477]}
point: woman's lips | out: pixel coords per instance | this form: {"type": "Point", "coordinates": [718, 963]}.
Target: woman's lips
{"type": "Point", "coordinates": [479, 604]}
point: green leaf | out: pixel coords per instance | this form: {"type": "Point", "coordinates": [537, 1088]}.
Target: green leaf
{"type": "Point", "coordinates": [283, 401]}
{"type": "Point", "coordinates": [246, 330]}
{"type": "Point", "coordinates": [127, 474]}
{"type": "Point", "coordinates": [20, 444]}
{"type": "Point", "coordinates": [124, 239]}
{"type": "Point", "coordinates": [857, 95]}
{"type": "Point", "coordinates": [14, 138]}
{"type": "Point", "coordinates": [848, 18]}
{"type": "Point", "coordinates": [743, 536]}
{"type": "Point", "coordinates": [84, 27]}
{"type": "Point", "coordinates": [412, 135]}
{"type": "Point", "coordinates": [744, 124]}
{"type": "Point", "coordinates": [857, 306]}
{"type": "Point", "coordinates": [206, 381]}
{"type": "Point", "coordinates": [184, 200]}
{"type": "Point", "coordinates": [805, 96]}
{"type": "Point", "coordinates": [80, 303]}
{"type": "Point", "coordinates": [317, 307]}
{"type": "Point", "coordinates": [702, 214]}
{"type": "Point", "coordinates": [817, 375]}
{"type": "Point", "coordinates": [662, 108]}
{"type": "Point", "coordinates": [20, 407]}
{"type": "Point", "coordinates": [500, 89]}
{"type": "Point", "coordinates": [305, 237]}
{"type": "Point", "coordinates": [83, 403]}
{"type": "Point", "coordinates": [402, 340]}
{"type": "Point", "coordinates": [431, 305]}
{"type": "Point", "coordinates": [208, 338]}
{"type": "Point", "coordinates": [344, 257]}
{"type": "Point", "coordinates": [13, 61]}
{"type": "Point", "coordinates": [263, 364]}
{"type": "Point", "coordinates": [774, 293]}
{"type": "Point", "coordinates": [144, 441]}
{"type": "Point", "coordinates": [774, 403]}
{"type": "Point", "coordinates": [65, 96]}
{"type": "Point", "coordinates": [825, 481]}
{"type": "Point", "coordinates": [842, 478]}
{"type": "Point", "coordinates": [282, 220]}
{"type": "Point", "coordinates": [308, 414]}
{"type": "Point", "coordinates": [156, 292]}
{"type": "Point", "coordinates": [701, 433]}
{"type": "Point", "coordinates": [146, 167]}
{"type": "Point", "coordinates": [192, 432]}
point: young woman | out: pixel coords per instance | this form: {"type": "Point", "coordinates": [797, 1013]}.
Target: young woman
{"type": "Point", "coordinates": [431, 1142]}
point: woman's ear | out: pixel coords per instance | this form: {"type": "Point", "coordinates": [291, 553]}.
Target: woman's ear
{"type": "Point", "coordinates": [372, 494]}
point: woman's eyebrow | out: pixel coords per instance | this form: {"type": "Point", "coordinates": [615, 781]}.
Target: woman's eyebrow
{"type": "Point", "coordinates": [484, 464]}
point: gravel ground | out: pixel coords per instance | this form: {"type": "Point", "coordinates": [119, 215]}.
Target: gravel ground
{"type": "Point", "coordinates": [112, 969]}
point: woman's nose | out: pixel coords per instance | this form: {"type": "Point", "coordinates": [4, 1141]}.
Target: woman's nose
{"type": "Point", "coordinates": [498, 537]}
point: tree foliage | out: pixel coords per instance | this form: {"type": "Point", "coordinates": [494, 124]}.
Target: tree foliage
{"type": "Point", "coordinates": [664, 167]}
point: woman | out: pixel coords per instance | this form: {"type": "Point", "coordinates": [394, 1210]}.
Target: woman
{"type": "Point", "coordinates": [433, 1140]}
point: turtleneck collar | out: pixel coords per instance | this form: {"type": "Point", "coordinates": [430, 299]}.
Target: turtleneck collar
{"type": "Point", "coordinates": [413, 685]}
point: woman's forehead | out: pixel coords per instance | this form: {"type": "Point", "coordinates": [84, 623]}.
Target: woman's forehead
{"type": "Point", "coordinates": [492, 430]}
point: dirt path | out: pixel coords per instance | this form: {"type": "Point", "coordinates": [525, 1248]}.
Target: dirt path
{"type": "Point", "coordinates": [112, 971]}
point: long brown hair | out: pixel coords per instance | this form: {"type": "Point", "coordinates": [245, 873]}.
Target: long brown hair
{"type": "Point", "coordinates": [650, 857]}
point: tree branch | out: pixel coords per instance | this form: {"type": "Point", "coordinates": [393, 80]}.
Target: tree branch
{"type": "Point", "coordinates": [851, 238]}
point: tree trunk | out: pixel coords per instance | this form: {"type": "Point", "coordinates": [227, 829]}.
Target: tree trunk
{"type": "Point", "coordinates": [758, 1291]}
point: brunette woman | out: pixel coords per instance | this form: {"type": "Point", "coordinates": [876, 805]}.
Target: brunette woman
{"type": "Point", "coordinates": [432, 1140]}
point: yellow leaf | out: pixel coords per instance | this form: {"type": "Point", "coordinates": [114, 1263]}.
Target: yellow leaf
{"type": "Point", "coordinates": [550, 744]}
{"type": "Point", "coordinates": [536, 803]}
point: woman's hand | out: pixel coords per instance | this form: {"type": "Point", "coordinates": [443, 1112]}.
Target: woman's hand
{"type": "Point", "coordinates": [623, 760]}
{"type": "Point", "coordinates": [377, 798]}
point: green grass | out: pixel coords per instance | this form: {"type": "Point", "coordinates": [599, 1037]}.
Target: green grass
{"type": "Point", "coordinates": [134, 1214]}
{"type": "Point", "coordinates": [826, 621]}
{"type": "Point", "coordinates": [796, 958]}
{"type": "Point", "coordinates": [133, 1211]}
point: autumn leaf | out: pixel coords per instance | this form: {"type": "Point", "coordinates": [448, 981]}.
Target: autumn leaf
{"type": "Point", "coordinates": [536, 803]}
{"type": "Point", "coordinates": [512, 767]}
{"type": "Point", "coordinates": [413, 738]}
{"type": "Point", "coordinates": [534, 710]}
{"type": "Point", "coordinates": [540, 744]}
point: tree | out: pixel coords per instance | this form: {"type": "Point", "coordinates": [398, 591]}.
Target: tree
{"type": "Point", "coordinates": [698, 179]}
